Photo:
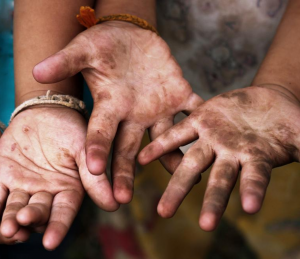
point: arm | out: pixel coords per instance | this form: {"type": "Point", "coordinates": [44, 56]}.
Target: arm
{"type": "Point", "coordinates": [282, 64]}
{"type": "Point", "coordinates": [143, 9]}
{"type": "Point", "coordinates": [41, 28]}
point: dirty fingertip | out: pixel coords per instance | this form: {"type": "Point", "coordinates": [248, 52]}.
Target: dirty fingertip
{"type": "Point", "coordinates": [96, 162]}
{"type": "Point", "coordinates": [149, 153]}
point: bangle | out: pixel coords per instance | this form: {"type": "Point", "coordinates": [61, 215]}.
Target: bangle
{"type": "Point", "coordinates": [2, 127]}
{"type": "Point", "coordinates": [64, 100]}
{"type": "Point", "coordinates": [88, 19]}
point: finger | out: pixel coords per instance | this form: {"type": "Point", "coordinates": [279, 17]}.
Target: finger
{"type": "Point", "coordinates": [179, 135]}
{"type": "Point", "coordinates": [65, 207]}
{"type": "Point", "coordinates": [126, 147]}
{"type": "Point", "coordinates": [197, 159]}
{"type": "Point", "coordinates": [173, 159]}
{"type": "Point", "coordinates": [21, 236]}
{"type": "Point", "coordinates": [221, 181]}
{"type": "Point", "coordinates": [16, 201]}
{"type": "Point", "coordinates": [193, 103]}
{"type": "Point", "coordinates": [102, 129]}
{"type": "Point", "coordinates": [64, 64]}
{"type": "Point", "coordinates": [3, 197]}
{"type": "Point", "coordinates": [97, 186]}
{"type": "Point", "coordinates": [37, 212]}
{"type": "Point", "coordinates": [255, 177]}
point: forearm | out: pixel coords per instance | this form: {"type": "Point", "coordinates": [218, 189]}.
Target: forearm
{"type": "Point", "coordinates": [41, 28]}
{"type": "Point", "coordinates": [282, 63]}
{"type": "Point", "coordinates": [145, 9]}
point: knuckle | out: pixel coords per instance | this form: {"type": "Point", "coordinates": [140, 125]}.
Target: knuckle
{"type": "Point", "coordinates": [190, 163]}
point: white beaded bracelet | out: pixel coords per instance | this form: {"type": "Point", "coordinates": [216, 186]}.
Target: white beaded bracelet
{"type": "Point", "coordinates": [64, 100]}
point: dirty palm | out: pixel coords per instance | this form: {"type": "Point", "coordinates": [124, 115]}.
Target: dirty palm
{"type": "Point", "coordinates": [246, 130]}
{"type": "Point", "coordinates": [135, 83]}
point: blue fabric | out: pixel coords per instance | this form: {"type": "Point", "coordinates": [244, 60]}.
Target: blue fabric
{"type": "Point", "coordinates": [6, 76]}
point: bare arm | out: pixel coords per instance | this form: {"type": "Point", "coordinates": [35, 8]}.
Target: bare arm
{"type": "Point", "coordinates": [143, 9]}
{"type": "Point", "coordinates": [41, 28]}
{"type": "Point", "coordinates": [282, 64]}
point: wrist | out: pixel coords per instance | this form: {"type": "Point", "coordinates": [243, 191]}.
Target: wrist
{"type": "Point", "coordinates": [287, 88]}
{"type": "Point", "coordinates": [50, 100]}
{"type": "Point", "coordinates": [279, 89]}
{"type": "Point", "coordinates": [33, 94]}
{"type": "Point", "coordinates": [143, 9]}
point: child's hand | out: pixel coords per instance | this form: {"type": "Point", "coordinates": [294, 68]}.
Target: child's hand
{"type": "Point", "coordinates": [21, 236]}
{"type": "Point", "coordinates": [42, 164]}
{"type": "Point", "coordinates": [253, 130]}
{"type": "Point", "coordinates": [135, 83]}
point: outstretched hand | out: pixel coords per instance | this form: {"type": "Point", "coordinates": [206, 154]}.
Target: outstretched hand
{"type": "Point", "coordinates": [43, 172]}
{"type": "Point", "coordinates": [135, 84]}
{"type": "Point", "coordinates": [21, 236]}
{"type": "Point", "coordinates": [253, 130]}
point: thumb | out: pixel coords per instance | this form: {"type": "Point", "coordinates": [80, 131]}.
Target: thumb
{"type": "Point", "coordinates": [64, 64]}
{"type": "Point", "coordinates": [97, 187]}
{"type": "Point", "coordinates": [192, 104]}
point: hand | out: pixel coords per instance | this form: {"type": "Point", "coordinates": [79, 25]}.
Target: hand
{"type": "Point", "coordinates": [253, 130]}
{"type": "Point", "coordinates": [21, 236]}
{"type": "Point", "coordinates": [42, 164]}
{"type": "Point", "coordinates": [135, 83]}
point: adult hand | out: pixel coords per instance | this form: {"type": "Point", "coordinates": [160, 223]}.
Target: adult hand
{"type": "Point", "coordinates": [135, 84]}
{"type": "Point", "coordinates": [42, 163]}
{"type": "Point", "coordinates": [253, 130]}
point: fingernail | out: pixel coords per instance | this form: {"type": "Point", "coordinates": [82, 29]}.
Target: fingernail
{"type": "Point", "coordinates": [19, 242]}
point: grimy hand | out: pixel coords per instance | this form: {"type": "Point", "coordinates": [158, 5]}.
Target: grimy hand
{"type": "Point", "coordinates": [43, 172]}
{"type": "Point", "coordinates": [253, 130]}
{"type": "Point", "coordinates": [135, 84]}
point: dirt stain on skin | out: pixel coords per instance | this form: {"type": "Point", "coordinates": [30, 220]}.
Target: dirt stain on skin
{"type": "Point", "coordinates": [216, 199]}
{"type": "Point", "coordinates": [109, 60]}
{"type": "Point", "coordinates": [256, 152]}
{"type": "Point", "coordinates": [127, 150]}
{"type": "Point", "coordinates": [13, 147]}
{"type": "Point", "coordinates": [251, 138]}
{"type": "Point", "coordinates": [65, 153]}
{"type": "Point", "coordinates": [228, 173]}
{"type": "Point", "coordinates": [242, 97]}
{"type": "Point", "coordinates": [122, 47]}
{"type": "Point", "coordinates": [25, 129]}
{"type": "Point", "coordinates": [104, 95]}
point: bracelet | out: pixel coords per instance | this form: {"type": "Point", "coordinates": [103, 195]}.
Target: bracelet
{"type": "Point", "coordinates": [2, 127]}
{"type": "Point", "coordinates": [88, 19]}
{"type": "Point", "coordinates": [64, 100]}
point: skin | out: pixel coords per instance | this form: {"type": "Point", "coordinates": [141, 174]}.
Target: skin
{"type": "Point", "coordinates": [135, 84]}
{"type": "Point", "coordinates": [34, 203]}
{"type": "Point", "coordinates": [251, 130]}
{"type": "Point", "coordinates": [40, 180]}
{"type": "Point", "coordinates": [43, 174]}
{"type": "Point", "coordinates": [21, 236]}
